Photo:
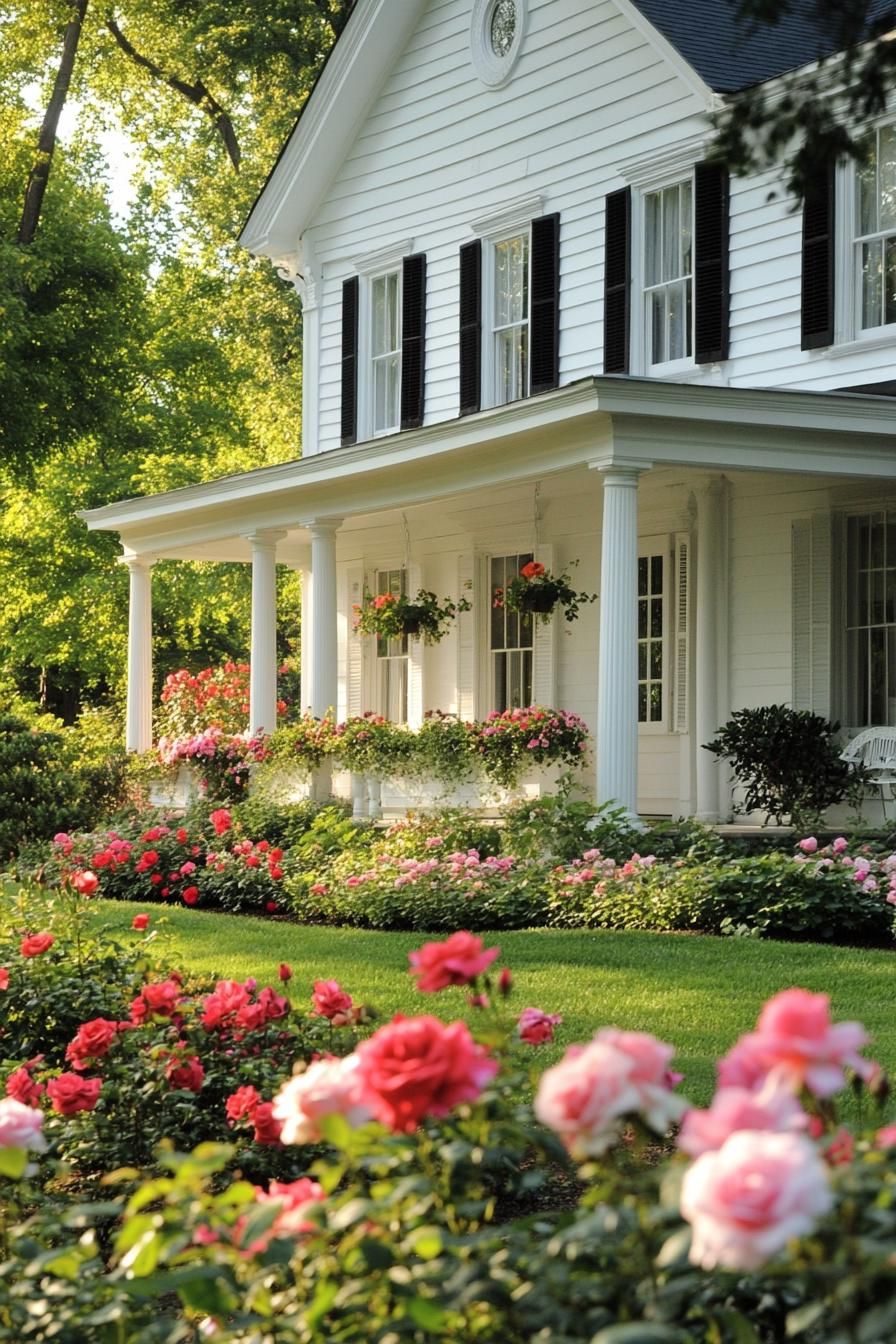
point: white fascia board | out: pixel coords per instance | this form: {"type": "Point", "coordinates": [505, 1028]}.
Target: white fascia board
{"type": "Point", "coordinates": [365, 52]}
{"type": "Point", "coordinates": [671, 55]}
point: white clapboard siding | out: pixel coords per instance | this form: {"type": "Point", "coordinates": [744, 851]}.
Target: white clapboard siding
{"type": "Point", "coordinates": [544, 645]}
{"type": "Point", "coordinates": [811, 598]}
{"type": "Point", "coordinates": [467, 625]}
{"type": "Point", "coordinates": [681, 616]}
{"type": "Point", "coordinates": [415, 656]}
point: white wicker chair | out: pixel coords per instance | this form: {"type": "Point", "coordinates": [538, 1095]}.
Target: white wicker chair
{"type": "Point", "coordinates": [875, 749]}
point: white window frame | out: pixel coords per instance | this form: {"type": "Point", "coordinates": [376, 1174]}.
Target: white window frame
{"type": "Point", "coordinates": [648, 547]}
{"type": "Point", "coordinates": [392, 656]}
{"type": "Point", "coordinates": [848, 329]}
{"type": "Point", "coordinates": [507, 221]}
{"type": "Point", "coordinates": [886, 506]}
{"type": "Point", "coordinates": [640, 327]}
{"type": "Point", "coordinates": [489, 678]}
{"type": "Point", "coordinates": [374, 266]}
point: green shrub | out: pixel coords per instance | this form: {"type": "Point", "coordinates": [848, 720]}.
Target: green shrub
{"type": "Point", "coordinates": [454, 828]}
{"type": "Point", "coordinates": [283, 824]}
{"type": "Point", "coordinates": [786, 758]}
{"type": "Point", "coordinates": [555, 827]}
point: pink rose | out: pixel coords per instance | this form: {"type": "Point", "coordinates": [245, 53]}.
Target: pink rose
{"type": "Point", "coordinates": [795, 1035]}
{"type": "Point", "coordinates": [650, 1074]}
{"type": "Point", "coordinates": [418, 1066]}
{"type": "Point", "coordinates": [809, 845]}
{"type": "Point", "coordinates": [748, 1199]}
{"type": "Point", "coordinates": [535, 1027]}
{"type": "Point", "coordinates": [91, 1042]}
{"type": "Point", "coordinates": [23, 1088]}
{"type": "Point", "coordinates": [327, 1087]}
{"type": "Point", "coordinates": [267, 1127]}
{"type": "Point", "coordinates": [839, 845]}
{"type": "Point", "coordinates": [742, 1066]}
{"type": "Point", "coordinates": [457, 961]}
{"type": "Point", "coordinates": [85, 882]}
{"type": "Point", "coordinates": [735, 1108]}
{"type": "Point", "coordinates": [330, 1000]}
{"type": "Point", "coordinates": [585, 1096]}
{"type": "Point", "coordinates": [295, 1198]}
{"type": "Point", "coordinates": [242, 1104]}
{"type": "Point", "coordinates": [4, 978]}
{"type": "Point", "coordinates": [20, 1126]}
{"type": "Point", "coordinates": [886, 1137]}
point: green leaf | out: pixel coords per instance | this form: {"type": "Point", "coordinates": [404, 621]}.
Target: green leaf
{"type": "Point", "coordinates": [803, 1317]}
{"type": "Point", "coordinates": [324, 1297]}
{"type": "Point", "coordinates": [13, 1162]}
{"type": "Point", "coordinates": [641, 1332]}
{"type": "Point", "coordinates": [426, 1243]}
{"type": "Point", "coordinates": [428, 1315]}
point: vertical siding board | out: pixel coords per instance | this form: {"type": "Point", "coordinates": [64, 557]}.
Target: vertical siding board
{"type": "Point", "coordinates": [466, 638]}
{"type": "Point", "coordinates": [354, 656]}
{"type": "Point", "coordinates": [415, 657]}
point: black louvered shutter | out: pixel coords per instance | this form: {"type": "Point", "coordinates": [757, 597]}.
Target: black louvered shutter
{"type": "Point", "coordinates": [413, 340]}
{"type": "Point", "coordinates": [617, 281]}
{"type": "Point", "coordinates": [817, 309]}
{"type": "Point", "coordinates": [470, 327]}
{"type": "Point", "coordinates": [544, 332]}
{"type": "Point", "coordinates": [349, 416]}
{"type": "Point", "coordinates": [711, 192]}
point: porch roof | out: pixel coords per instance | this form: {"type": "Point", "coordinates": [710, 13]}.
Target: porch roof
{"type": "Point", "coordinates": [597, 422]}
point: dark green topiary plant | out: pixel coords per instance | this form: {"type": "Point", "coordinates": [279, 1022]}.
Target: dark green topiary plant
{"type": "Point", "coordinates": [787, 758]}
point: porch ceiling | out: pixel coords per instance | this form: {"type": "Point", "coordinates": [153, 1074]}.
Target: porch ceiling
{"type": "Point", "coordinates": [598, 421]}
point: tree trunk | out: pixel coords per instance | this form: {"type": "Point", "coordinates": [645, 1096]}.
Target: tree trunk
{"type": "Point", "coordinates": [40, 170]}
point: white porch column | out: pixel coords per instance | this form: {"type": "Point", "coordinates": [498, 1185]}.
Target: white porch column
{"type": "Point", "coordinates": [706, 714]}
{"type": "Point", "coordinates": [323, 667]}
{"type": "Point", "coordinates": [138, 731]}
{"type": "Point", "coordinates": [263, 646]}
{"type": "Point", "coordinates": [617, 690]}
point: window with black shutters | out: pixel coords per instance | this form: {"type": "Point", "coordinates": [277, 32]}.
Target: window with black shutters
{"type": "Point", "coordinates": [510, 315]}
{"type": "Point", "coordinates": [384, 349]}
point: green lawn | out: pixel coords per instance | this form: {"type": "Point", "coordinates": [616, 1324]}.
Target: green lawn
{"type": "Point", "coordinates": [699, 993]}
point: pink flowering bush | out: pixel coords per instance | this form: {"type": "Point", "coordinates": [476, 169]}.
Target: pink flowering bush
{"type": "Point", "coordinates": [437, 1180]}
{"type": "Point", "coordinates": [223, 761]}
{"type": "Point", "coordinates": [215, 697]}
{"type": "Point", "coordinates": [509, 742]}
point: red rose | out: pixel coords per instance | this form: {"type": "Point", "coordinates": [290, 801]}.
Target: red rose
{"type": "Point", "coordinates": [275, 871]}
{"type": "Point", "coordinates": [284, 972]}
{"type": "Point", "coordinates": [242, 1104]}
{"type": "Point", "coordinates": [532, 571]}
{"type": "Point", "coordinates": [457, 961]}
{"type": "Point", "coordinates": [190, 895]}
{"type": "Point", "coordinates": [505, 983]}
{"type": "Point", "coordinates": [271, 907]}
{"type": "Point", "coordinates": [85, 882]}
{"type": "Point", "coordinates": [22, 1087]}
{"type": "Point", "coordinates": [187, 1074]}
{"type": "Point", "coordinates": [36, 943]}
{"type": "Point", "coordinates": [220, 819]}
{"type": "Point", "coordinates": [330, 999]}
{"type": "Point", "coordinates": [536, 1027]}
{"type": "Point", "coordinates": [418, 1066]}
{"type": "Point", "coordinates": [181, 836]}
{"type": "Point", "coordinates": [158, 999]}
{"type": "Point", "coordinates": [227, 1000]}
{"type": "Point", "coordinates": [140, 922]}
{"type": "Point", "coordinates": [70, 1093]}
{"type": "Point", "coordinates": [91, 1042]}
{"type": "Point", "coordinates": [267, 1128]}
{"type": "Point", "coordinates": [4, 978]}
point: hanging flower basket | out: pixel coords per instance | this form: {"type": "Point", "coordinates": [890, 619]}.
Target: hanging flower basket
{"type": "Point", "coordinates": [537, 592]}
{"type": "Point", "coordinates": [397, 616]}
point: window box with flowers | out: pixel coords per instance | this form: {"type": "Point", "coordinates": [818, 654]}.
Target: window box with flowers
{"type": "Point", "coordinates": [537, 591]}
{"type": "Point", "coordinates": [397, 616]}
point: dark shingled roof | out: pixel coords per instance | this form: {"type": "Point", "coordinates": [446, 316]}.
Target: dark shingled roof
{"type": "Point", "coordinates": [730, 55]}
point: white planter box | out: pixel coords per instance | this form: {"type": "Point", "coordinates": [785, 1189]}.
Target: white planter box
{"type": "Point", "coordinates": [480, 795]}
{"type": "Point", "coordinates": [178, 789]}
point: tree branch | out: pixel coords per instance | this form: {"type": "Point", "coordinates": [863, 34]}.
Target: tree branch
{"type": "Point", "coordinates": [197, 93]}
{"type": "Point", "coordinates": [40, 169]}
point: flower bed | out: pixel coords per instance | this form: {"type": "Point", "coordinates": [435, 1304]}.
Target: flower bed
{"type": "Point", "coordinates": [402, 1184]}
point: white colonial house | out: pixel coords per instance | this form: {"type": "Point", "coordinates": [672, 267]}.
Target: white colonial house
{"type": "Point", "coordinates": [539, 323]}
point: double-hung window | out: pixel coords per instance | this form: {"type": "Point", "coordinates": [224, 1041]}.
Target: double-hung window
{"type": "Point", "coordinates": [874, 256]}
{"type": "Point", "coordinates": [651, 639]}
{"type": "Point", "coordinates": [511, 638]}
{"type": "Point", "coordinates": [385, 352]}
{"type": "Point", "coordinates": [392, 656]}
{"type": "Point", "coordinates": [668, 275]}
{"type": "Point", "coordinates": [870, 619]}
{"type": "Point", "coordinates": [510, 319]}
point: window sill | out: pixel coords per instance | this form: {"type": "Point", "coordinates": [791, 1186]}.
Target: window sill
{"type": "Point", "coordinates": [878, 338]}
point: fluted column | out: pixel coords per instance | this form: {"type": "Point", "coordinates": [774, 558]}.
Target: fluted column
{"type": "Point", "coordinates": [709, 569]}
{"type": "Point", "coordinates": [263, 647]}
{"type": "Point", "coordinates": [323, 615]}
{"type": "Point", "coordinates": [138, 730]}
{"type": "Point", "coordinates": [617, 691]}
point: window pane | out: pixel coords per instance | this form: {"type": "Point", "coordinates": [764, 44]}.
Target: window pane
{"type": "Point", "coordinates": [685, 228]}
{"type": "Point", "coordinates": [889, 280]}
{"type": "Point", "coordinates": [656, 573]}
{"type": "Point", "coordinates": [891, 676]}
{"type": "Point", "coordinates": [876, 558]}
{"type": "Point", "coordinates": [512, 280]}
{"type": "Point", "coordinates": [643, 571]}
{"type": "Point", "coordinates": [642, 619]}
{"type": "Point", "coordinates": [656, 703]}
{"type": "Point", "coordinates": [677, 338]}
{"type": "Point", "coordinates": [656, 618]}
{"type": "Point", "coordinates": [878, 677]}
{"type": "Point", "coordinates": [877, 597]}
{"type": "Point", "coordinates": [642, 703]}
{"type": "Point", "coordinates": [671, 234]}
{"type": "Point", "coordinates": [501, 701]}
{"type": "Point", "coordinates": [872, 283]}
{"type": "Point", "coordinates": [658, 326]}
{"type": "Point", "coordinates": [653, 238]}
{"type": "Point", "coordinates": [642, 661]}
{"type": "Point", "coordinates": [886, 175]}
{"type": "Point", "coordinates": [866, 187]}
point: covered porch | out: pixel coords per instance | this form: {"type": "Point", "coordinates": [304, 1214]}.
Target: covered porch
{"type": "Point", "coordinates": [607, 472]}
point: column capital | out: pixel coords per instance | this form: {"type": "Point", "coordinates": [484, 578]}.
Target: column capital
{"type": "Point", "coordinates": [322, 527]}
{"type": "Point", "coordinates": [265, 538]}
{"type": "Point", "coordinates": [137, 562]}
{"type": "Point", "coordinates": [622, 467]}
